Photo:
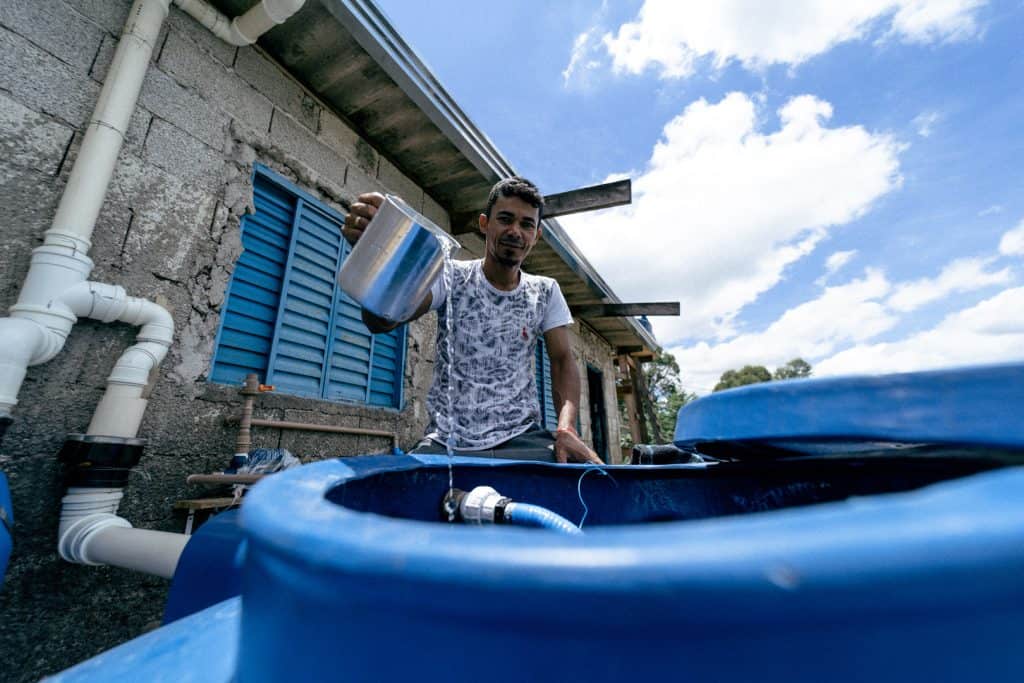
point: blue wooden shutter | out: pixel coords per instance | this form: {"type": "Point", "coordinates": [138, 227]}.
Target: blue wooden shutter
{"type": "Point", "coordinates": [285, 318]}
{"type": "Point", "coordinates": [305, 318]}
{"type": "Point", "coordinates": [251, 305]}
{"type": "Point", "coordinates": [544, 395]}
{"type": "Point", "coordinates": [388, 362]}
{"type": "Point", "coordinates": [352, 350]}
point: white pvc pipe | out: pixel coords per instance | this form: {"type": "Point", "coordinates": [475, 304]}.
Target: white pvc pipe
{"type": "Point", "coordinates": [144, 550]}
{"type": "Point", "coordinates": [245, 29]}
{"type": "Point", "coordinates": [87, 187]}
{"type": "Point", "coordinates": [90, 533]}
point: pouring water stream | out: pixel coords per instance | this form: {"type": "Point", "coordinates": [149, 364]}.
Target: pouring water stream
{"type": "Point", "coordinates": [446, 248]}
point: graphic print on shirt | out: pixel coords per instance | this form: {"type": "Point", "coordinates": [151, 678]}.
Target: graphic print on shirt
{"type": "Point", "coordinates": [494, 344]}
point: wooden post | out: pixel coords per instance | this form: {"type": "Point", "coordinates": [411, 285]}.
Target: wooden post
{"type": "Point", "coordinates": [644, 399]}
{"type": "Point", "coordinates": [636, 426]}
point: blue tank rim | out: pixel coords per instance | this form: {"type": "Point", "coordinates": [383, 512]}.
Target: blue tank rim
{"type": "Point", "coordinates": [288, 517]}
{"type": "Point", "coordinates": [974, 405]}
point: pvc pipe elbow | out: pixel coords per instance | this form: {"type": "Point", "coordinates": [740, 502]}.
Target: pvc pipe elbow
{"type": "Point", "coordinates": [25, 341]}
{"type": "Point", "coordinates": [282, 10]}
{"type": "Point", "coordinates": [73, 541]}
{"type": "Point", "coordinates": [156, 321]}
{"type": "Point", "coordinates": [263, 17]}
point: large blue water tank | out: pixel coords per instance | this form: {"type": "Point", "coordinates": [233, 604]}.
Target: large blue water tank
{"type": "Point", "coordinates": [908, 567]}
{"type": "Point", "coordinates": [921, 585]}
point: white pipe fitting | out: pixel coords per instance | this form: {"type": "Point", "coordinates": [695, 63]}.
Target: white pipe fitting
{"type": "Point", "coordinates": [120, 411]}
{"type": "Point", "coordinates": [245, 29]}
{"type": "Point", "coordinates": [91, 533]}
{"type": "Point", "coordinates": [480, 504]}
{"type": "Point", "coordinates": [22, 339]}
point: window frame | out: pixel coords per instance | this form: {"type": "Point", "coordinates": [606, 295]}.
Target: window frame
{"type": "Point", "coordinates": [302, 198]}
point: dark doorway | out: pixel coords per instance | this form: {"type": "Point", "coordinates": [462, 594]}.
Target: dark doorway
{"type": "Point", "coordinates": [598, 418]}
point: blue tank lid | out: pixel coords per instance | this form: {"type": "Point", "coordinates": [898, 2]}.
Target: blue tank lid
{"type": "Point", "coordinates": [978, 405]}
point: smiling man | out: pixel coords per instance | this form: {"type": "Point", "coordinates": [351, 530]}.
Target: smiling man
{"type": "Point", "coordinates": [498, 312]}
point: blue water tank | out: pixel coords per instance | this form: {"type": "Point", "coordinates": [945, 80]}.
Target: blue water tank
{"type": "Point", "coordinates": [899, 566]}
{"type": "Point", "coordinates": [6, 526]}
{"type": "Point", "coordinates": [922, 584]}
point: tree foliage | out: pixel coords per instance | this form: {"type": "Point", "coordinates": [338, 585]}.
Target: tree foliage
{"type": "Point", "coordinates": [748, 374]}
{"type": "Point", "coordinates": [794, 369]}
{"type": "Point", "coordinates": [666, 393]}
{"type": "Point", "coordinates": [752, 374]}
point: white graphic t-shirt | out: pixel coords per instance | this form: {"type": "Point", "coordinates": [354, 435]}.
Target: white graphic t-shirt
{"type": "Point", "coordinates": [494, 345]}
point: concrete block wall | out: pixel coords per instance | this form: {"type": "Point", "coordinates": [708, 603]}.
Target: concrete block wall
{"type": "Point", "coordinates": [169, 231]}
{"type": "Point", "coordinates": [591, 349]}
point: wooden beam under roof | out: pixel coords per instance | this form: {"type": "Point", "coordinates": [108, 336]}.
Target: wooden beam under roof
{"type": "Point", "coordinates": [625, 310]}
{"type": "Point", "coordinates": [591, 198]}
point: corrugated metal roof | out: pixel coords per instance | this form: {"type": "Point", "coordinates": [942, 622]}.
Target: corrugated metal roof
{"type": "Point", "coordinates": [352, 58]}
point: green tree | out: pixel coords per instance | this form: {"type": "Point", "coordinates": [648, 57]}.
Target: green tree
{"type": "Point", "coordinates": [748, 374]}
{"type": "Point", "coordinates": [665, 392]}
{"type": "Point", "coordinates": [794, 369]}
{"type": "Point", "coordinates": [752, 374]}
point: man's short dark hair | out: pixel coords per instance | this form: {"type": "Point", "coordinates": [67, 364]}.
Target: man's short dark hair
{"type": "Point", "coordinates": [520, 188]}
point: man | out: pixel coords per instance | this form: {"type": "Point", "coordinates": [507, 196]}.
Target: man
{"type": "Point", "coordinates": [498, 312]}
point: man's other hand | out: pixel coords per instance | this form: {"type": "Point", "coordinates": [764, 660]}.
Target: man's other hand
{"type": "Point", "coordinates": [570, 448]}
{"type": "Point", "coordinates": [360, 214]}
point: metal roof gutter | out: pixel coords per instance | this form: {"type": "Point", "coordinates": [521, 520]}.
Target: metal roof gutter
{"type": "Point", "coordinates": [375, 34]}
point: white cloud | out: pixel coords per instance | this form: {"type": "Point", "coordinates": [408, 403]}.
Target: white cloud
{"type": "Point", "coordinates": [583, 59]}
{"type": "Point", "coordinates": [962, 275]}
{"type": "Point", "coordinates": [1012, 243]}
{"type": "Point", "coordinates": [990, 332]}
{"type": "Point", "coordinates": [811, 330]}
{"type": "Point", "coordinates": [989, 210]}
{"type": "Point", "coordinates": [673, 36]}
{"type": "Point", "coordinates": [834, 262]}
{"type": "Point", "coordinates": [856, 313]}
{"type": "Point", "coordinates": [722, 207]}
{"type": "Point", "coordinates": [925, 123]}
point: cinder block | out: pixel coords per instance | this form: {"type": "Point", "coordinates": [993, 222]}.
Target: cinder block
{"type": "Point", "coordinates": [346, 142]}
{"type": "Point", "coordinates": [151, 222]}
{"type": "Point", "coordinates": [109, 15]}
{"type": "Point", "coordinates": [201, 36]}
{"type": "Point", "coordinates": [357, 182]}
{"type": "Point", "coordinates": [296, 140]}
{"type": "Point", "coordinates": [43, 83]}
{"type": "Point", "coordinates": [31, 140]}
{"type": "Point", "coordinates": [435, 212]}
{"type": "Point", "coordinates": [30, 201]}
{"type": "Point", "coordinates": [268, 78]}
{"type": "Point", "coordinates": [219, 85]}
{"type": "Point", "coordinates": [168, 100]}
{"type": "Point", "coordinates": [49, 25]}
{"type": "Point", "coordinates": [398, 183]}
{"type": "Point", "coordinates": [105, 56]}
{"type": "Point", "coordinates": [180, 154]}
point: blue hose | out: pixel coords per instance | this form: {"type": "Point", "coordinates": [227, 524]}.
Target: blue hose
{"type": "Point", "coordinates": [524, 514]}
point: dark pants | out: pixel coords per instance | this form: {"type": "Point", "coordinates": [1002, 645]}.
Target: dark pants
{"type": "Point", "coordinates": [536, 444]}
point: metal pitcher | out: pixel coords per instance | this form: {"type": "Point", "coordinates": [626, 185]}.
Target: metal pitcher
{"type": "Point", "coordinates": [395, 261]}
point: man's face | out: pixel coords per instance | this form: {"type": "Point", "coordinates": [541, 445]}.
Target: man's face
{"type": "Point", "coordinates": [511, 231]}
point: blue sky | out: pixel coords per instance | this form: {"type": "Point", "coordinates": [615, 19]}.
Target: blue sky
{"type": "Point", "coordinates": [837, 181]}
